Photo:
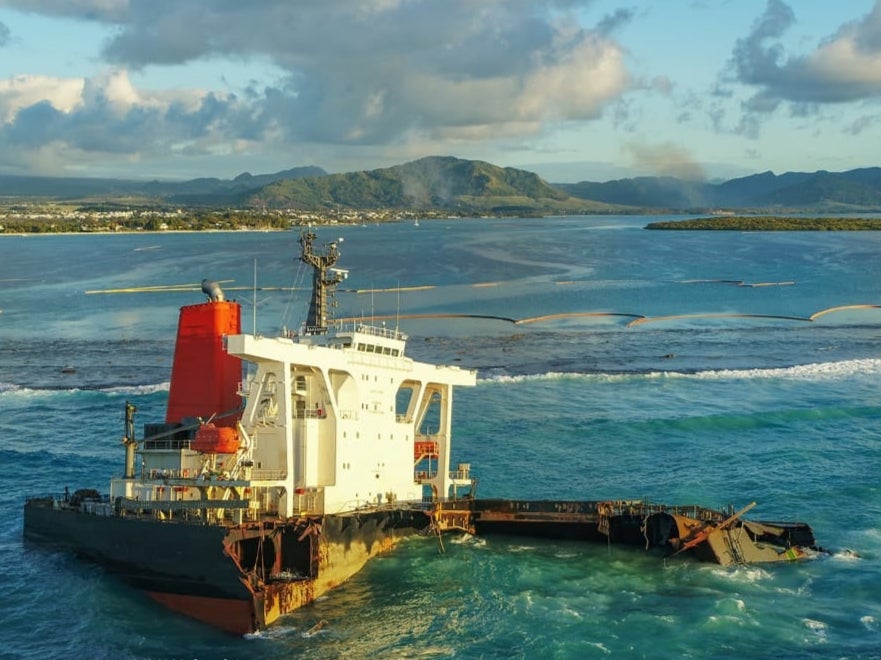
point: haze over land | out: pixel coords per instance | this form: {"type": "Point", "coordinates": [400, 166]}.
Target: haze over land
{"type": "Point", "coordinates": [581, 90]}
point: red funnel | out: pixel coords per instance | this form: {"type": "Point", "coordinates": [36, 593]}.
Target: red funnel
{"type": "Point", "coordinates": [204, 378]}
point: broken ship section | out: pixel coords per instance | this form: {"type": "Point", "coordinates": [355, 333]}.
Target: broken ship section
{"type": "Point", "coordinates": [722, 537]}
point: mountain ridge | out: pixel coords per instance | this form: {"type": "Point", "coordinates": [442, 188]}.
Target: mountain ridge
{"type": "Point", "coordinates": [447, 183]}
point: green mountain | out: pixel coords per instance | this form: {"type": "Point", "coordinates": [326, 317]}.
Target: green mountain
{"type": "Point", "coordinates": [199, 192]}
{"type": "Point", "coordinates": [435, 183]}
{"type": "Point", "coordinates": [824, 192]}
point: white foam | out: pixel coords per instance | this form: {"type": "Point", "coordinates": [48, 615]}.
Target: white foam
{"type": "Point", "coordinates": [273, 632]}
{"type": "Point", "coordinates": [750, 574]}
{"type": "Point", "coordinates": [812, 372]}
{"type": "Point", "coordinates": [563, 375]}
{"type": "Point", "coordinates": [521, 548]}
{"type": "Point", "coordinates": [139, 389]}
{"type": "Point", "coordinates": [599, 646]}
{"type": "Point", "coordinates": [819, 628]}
{"type": "Point", "coordinates": [467, 539]}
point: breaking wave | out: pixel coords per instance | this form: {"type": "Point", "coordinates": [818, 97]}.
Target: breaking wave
{"type": "Point", "coordinates": [802, 372]}
{"type": "Point", "coordinates": [135, 390]}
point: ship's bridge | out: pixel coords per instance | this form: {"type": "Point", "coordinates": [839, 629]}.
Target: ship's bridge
{"type": "Point", "coordinates": [362, 338]}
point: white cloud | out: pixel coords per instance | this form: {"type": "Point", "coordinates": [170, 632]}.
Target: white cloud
{"type": "Point", "coordinates": [843, 68]}
{"type": "Point", "coordinates": [28, 90]}
{"type": "Point", "coordinates": [577, 86]}
{"type": "Point", "coordinates": [364, 74]}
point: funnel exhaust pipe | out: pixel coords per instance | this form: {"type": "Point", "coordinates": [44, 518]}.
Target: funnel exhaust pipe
{"type": "Point", "coordinates": [212, 289]}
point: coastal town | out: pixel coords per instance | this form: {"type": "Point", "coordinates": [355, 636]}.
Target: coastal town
{"type": "Point", "coordinates": [53, 218]}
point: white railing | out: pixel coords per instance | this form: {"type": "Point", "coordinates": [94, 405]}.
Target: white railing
{"type": "Point", "coordinates": [375, 331]}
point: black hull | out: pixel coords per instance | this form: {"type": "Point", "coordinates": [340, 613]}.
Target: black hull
{"type": "Point", "coordinates": [242, 577]}
{"type": "Point", "coordinates": [239, 578]}
{"type": "Point", "coordinates": [147, 553]}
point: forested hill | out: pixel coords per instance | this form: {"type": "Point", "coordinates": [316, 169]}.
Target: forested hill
{"type": "Point", "coordinates": [207, 191]}
{"type": "Point", "coordinates": [831, 192]}
{"type": "Point", "coordinates": [429, 183]}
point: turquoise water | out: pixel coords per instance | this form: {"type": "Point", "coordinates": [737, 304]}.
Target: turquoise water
{"type": "Point", "coordinates": [727, 395]}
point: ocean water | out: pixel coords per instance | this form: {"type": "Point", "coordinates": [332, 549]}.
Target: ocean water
{"type": "Point", "coordinates": [738, 385]}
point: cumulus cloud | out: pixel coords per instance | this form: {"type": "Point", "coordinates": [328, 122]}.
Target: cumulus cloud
{"type": "Point", "coordinates": [372, 72]}
{"type": "Point", "coordinates": [47, 121]}
{"type": "Point", "coordinates": [21, 92]}
{"type": "Point", "coordinates": [844, 67]}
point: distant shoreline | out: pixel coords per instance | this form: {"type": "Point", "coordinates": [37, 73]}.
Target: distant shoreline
{"type": "Point", "coordinates": [708, 223]}
{"type": "Point", "coordinates": [152, 232]}
{"type": "Point", "coordinates": [770, 223]}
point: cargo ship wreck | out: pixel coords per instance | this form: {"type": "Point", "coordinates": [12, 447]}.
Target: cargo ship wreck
{"type": "Point", "coordinates": [285, 463]}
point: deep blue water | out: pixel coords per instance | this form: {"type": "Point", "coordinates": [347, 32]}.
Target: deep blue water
{"type": "Point", "coordinates": [728, 394]}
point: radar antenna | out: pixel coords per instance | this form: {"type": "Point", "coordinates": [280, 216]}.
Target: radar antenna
{"type": "Point", "coordinates": [324, 280]}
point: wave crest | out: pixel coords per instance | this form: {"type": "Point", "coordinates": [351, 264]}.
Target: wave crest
{"type": "Point", "coordinates": [813, 371]}
{"type": "Point", "coordinates": [136, 390]}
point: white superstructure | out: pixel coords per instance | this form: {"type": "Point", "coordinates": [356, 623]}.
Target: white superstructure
{"type": "Point", "coordinates": [340, 421]}
{"type": "Point", "coordinates": [334, 419]}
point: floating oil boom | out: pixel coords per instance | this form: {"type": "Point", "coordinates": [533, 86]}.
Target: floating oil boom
{"type": "Point", "coordinates": [285, 463]}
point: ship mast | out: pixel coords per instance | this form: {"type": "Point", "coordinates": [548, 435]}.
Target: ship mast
{"type": "Point", "coordinates": [322, 282]}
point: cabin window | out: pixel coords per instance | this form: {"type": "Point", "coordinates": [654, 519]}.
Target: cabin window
{"type": "Point", "coordinates": [394, 352]}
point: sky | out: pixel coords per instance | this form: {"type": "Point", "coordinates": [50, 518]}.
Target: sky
{"type": "Point", "coordinates": [574, 90]}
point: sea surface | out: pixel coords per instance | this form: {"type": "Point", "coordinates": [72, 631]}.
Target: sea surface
{"type": "Point", "coordinates": [717, 368]}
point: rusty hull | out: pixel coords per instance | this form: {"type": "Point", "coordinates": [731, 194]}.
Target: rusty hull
{"type": "Point", "coordinates": [705, 534]}
{"type": "Point", "coordinates": [290, 565]}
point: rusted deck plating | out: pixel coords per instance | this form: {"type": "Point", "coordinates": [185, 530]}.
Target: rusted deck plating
{"type": "Point", "coordinates": [593, 516]}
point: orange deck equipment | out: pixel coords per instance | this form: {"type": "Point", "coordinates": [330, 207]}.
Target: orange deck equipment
{"type": "Point", "coordinates": [216, 439]}
{"type": "Point", "coordinates": [204, 378]}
